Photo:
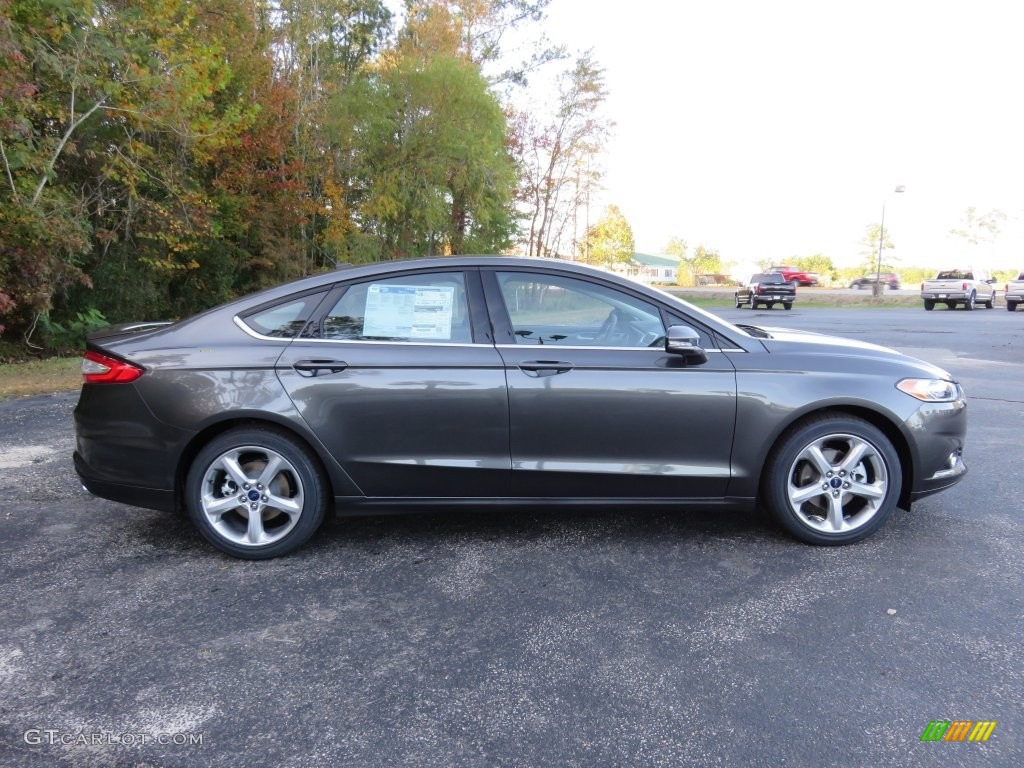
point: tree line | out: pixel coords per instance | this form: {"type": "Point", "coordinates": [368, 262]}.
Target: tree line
{"type": "Point", "coordinates": [161, 156]}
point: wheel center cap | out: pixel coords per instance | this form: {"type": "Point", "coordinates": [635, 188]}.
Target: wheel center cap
{"type": "Point", "coordinates": [254, 495]}
{"type": "Point", "coordinates": [835, 482]}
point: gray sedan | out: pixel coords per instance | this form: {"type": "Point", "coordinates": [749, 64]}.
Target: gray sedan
{"type": "Point", "coordinates": [492, 380]}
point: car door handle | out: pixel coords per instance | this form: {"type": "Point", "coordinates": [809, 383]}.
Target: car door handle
{"type": "Point", "coordinates": [315, 367]}
{"type": "Point", "coordinates": [545, 367]}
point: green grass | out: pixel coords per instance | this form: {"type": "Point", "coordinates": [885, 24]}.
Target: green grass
{"type": "Point", "coordinates": [804, 298]}
{"type": "Point", "coordinates": [39, 377]}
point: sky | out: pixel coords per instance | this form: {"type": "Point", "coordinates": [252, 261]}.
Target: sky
{"type": "Point", "coordinates": [779, 128]}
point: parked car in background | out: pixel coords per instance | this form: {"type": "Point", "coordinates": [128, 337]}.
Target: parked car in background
{"type": "Point", "coordinates": [768, 288]}
{"type": "Point", "coordinates": [795, 277]}
{"type": "Point", "coordinates": [490, 381]}
{"type": "Point", "coordinates": [889, 279]}
{"type": "Point", "coordinates": [958, 286]}
{"type": "Point", "coordinates": [1015, 292]}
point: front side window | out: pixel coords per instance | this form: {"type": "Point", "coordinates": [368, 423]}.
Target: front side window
{"type": "Point", "coordinates": [547, 309]}
{"type": "Point", "coordinates": [428, 308]}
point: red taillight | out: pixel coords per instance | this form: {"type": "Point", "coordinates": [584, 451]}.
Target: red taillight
{"type": "Point", "coordinates": [100, 369]}
{"type": "Point", "coordinates": [758, 288]}
{"type": "Point", "coordinates": [963, 286]}
{"type": "Point", "coordinates": [922, 286]}
{"type": "Point", "coordinates": [1006, 288]}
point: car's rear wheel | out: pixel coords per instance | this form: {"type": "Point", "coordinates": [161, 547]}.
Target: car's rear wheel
{"type": "Point", "coordinates": [969, 303]}
{"type": "Point", "coordinates": [832, 480]}
{"type": "Point", "coordinates": [787, 305]}
{"type": "Point", "coordinates": [255, 493]}
{"type": "Point", "coordinates": [1011, 306]}
{"type": "Point", "coordinates": [753, 304]}
{"type": "Point", "coordinates": [929, 305]}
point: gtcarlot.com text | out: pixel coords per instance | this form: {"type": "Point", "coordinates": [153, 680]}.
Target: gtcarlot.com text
{"type": "Point", "coordinates": [50, 736]}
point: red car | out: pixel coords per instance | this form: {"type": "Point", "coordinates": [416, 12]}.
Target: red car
{"type": "Point", "coordinates": [795, 276]}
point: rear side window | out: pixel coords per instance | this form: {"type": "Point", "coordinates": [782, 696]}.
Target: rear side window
{"type": "Point", "coordinates": [426, 307]}
{"type": "Point", "coordinates": [284, 320]}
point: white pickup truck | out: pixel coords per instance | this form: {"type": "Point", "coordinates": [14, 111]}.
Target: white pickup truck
{"type": "Point", "coordinates": [957, 286]}
{"type": "Point", "coordinates": [1015, 292]}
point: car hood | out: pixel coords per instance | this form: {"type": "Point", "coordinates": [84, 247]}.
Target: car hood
{"type": "Point", "coordinates": [788, 340]}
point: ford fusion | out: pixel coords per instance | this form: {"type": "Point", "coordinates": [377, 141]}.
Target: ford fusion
{"type": "Point", "coordinates": [493, 380]}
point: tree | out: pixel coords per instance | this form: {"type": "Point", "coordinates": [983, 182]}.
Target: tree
{"type": "Point", "coordinates": [429, 171]}
{"type": "Point", "coordinates": [869, 250]}
{"type": "Point", "coordinates": [473, 30]}
{"type": "Point", "coordinates": [975, 229]}
{"type": "Point", "coordinates": [320, 48]}
{"type": "Point", "coordinates": [558, 159]}
{"type": "Point", "coordinates": [610, 241]}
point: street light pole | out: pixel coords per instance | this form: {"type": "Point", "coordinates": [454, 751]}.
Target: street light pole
{"type": "Point", "coordinates": [881, 244]}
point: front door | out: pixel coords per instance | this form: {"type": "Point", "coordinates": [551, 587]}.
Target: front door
{"type": "Point", "coordinates": [597, 408]}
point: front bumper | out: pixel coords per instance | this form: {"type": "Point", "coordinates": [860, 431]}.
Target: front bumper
{"type": "Point", "coordinates": [939, 431]}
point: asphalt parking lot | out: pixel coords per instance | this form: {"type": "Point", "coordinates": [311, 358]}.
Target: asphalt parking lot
{"type": "Point", "coordinates": [503, 638]}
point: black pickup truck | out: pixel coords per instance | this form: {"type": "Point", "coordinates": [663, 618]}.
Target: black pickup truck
{"type": "Point", "coordinates": [766, 288]}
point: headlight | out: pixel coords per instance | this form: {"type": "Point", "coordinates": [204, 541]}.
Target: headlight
{"type": "Point", "coordinates": [930, 390]}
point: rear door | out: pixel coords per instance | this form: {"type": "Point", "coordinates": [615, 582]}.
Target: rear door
{"type": "Point", "coordinates": [404, 387]}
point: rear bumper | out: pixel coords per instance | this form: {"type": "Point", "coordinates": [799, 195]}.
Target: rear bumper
{"type": "Point", "coordinates": [944, 296]}
{"type": "Point", "coordinates": [148, 498]}
{"type": "Point", "coordinates": [122, 451]}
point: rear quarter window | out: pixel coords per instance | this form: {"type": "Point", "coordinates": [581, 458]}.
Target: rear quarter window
{"type": "Point", "coordinates": [284, 320]}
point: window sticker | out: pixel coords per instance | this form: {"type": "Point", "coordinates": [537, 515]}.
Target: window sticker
{"type": "Point", "coordinates": [409, 311]}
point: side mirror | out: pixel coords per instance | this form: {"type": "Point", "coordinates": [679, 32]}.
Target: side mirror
{"type": "Point", "coordinates": [682, 340]}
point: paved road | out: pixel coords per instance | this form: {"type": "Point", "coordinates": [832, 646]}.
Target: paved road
{"type": "Point", "coordinates": [523, 639]}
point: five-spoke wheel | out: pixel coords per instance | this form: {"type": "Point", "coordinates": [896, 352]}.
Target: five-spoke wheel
{"type": "Point", "coordinates": [833, 480]}
{"type": "Point", "coordinates": [255, 493]}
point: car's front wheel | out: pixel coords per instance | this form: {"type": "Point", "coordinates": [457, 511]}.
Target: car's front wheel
{"type": "Point", "coordinates": [255, 493]}
{"type": "Point", "coordinates": [832, 480]}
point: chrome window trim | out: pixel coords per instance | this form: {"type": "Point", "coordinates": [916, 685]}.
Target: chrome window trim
{"type": "Point", "coordinates": [595, 346]}
{"type": "Point", "coordinates": [288, 339]}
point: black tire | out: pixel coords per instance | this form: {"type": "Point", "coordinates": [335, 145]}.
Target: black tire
{"type": "Point", "coordinates": [291, 502]}
{"type": "Point", "coordinates": [770, 305]}
{"type": "Point", "coordinates": [790, 479]}
{"type": "Point", "coordinates": [969, 303]}
{"type": "Point", "coordinates": [787, 305]}
{"type": "Point", "coordinates": [738, 302]}
{"type": "Point", "coordinates": [753, 304]}
{"type": "Point", "coordinates": [1011, 306]}
{"type": "Point", "coordinates": [990, 304]}
{"type": "Point", "coordinates": [929, 305]}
